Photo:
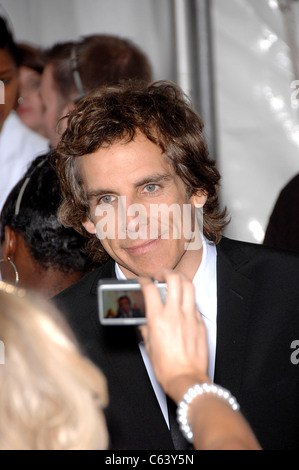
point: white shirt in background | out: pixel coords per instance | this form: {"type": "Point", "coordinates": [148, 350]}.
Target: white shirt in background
{"type": "Point", "coordinates": [19, 145]}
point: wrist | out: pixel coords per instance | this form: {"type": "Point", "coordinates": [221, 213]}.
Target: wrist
{"type": "Point", "coordinates": [179, 385]}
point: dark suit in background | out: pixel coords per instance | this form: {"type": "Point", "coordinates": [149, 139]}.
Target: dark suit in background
{"type": "Point", "coordinates": [283, 227]}
{"type": "Point", "coordinates": [257, 320]}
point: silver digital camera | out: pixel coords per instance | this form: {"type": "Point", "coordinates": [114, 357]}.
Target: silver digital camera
{"type": "Point", "coordinates": [122, 302]}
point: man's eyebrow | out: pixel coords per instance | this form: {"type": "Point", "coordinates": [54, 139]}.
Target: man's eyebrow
{"type": "Point", "coordinates": [156, 178]}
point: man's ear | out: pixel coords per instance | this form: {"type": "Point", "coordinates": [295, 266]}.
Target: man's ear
{"type": "Point", "coordinates": [89, 226]}
{"type": "Point", "coordinates": [200, 198]}
{"type": "Point", "coordinates": [10, 243]}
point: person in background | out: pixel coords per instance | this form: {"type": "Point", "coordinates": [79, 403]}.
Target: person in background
{"type": "Point", "coordinates": [36, 251]}
{"type": "Point", "coordinates": [51, 396]}
{"type": "Point", "coordinates": [18, 144]}
{"type": "Point", "coordinates": [176, 342]}
{"type": "Point", "coordinates": [73, 69]}
{"type": "Point", "coordinates": [283, 227]}
{"type": "Point", "coordinates": [126, 309]}
{"type": "Point", "coordinates": [29, 106]}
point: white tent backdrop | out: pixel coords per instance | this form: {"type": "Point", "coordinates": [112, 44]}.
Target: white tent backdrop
{"type": "Point", "coordinates": [257, 149]}
{"type": "Point", "coordinates": [146, 22]}
{"type": "Point", "coordinates": [258, 139]}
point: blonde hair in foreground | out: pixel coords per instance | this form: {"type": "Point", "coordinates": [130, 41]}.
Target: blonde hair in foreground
{"type": "Point", "coordinates": [51, 397]}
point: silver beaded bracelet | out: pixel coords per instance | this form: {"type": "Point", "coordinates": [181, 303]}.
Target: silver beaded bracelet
{"type": "Point", "coordinates": [195, 391]}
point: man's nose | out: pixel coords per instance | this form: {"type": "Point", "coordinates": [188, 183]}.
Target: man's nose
{"type": "Point", "coordinates": [133, 215]}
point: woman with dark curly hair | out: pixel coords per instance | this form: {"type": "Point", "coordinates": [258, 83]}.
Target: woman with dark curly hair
{"type": "Point", "coordinates": [36, 251]}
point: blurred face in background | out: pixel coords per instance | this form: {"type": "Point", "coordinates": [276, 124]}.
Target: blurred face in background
{"type": "Point", "coordinates": [30, 106]}
{"type": "Point", "coordinates": [9, 77]}
{"type": "Point", "coordinates": [55, 107]}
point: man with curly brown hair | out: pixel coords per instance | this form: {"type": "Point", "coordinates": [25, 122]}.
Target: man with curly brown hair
{"type": "Point", "coordinates": [131, 148]}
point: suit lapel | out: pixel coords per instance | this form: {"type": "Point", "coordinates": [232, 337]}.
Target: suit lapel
{"type": "Point", "coordinates": [234, 293]}
{"type": "Point", "coordinates": [107, 271]}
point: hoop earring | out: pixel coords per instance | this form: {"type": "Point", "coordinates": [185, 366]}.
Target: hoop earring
{"type": "Point", "coordinates": [14, 268]}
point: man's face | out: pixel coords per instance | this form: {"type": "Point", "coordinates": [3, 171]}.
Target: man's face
{"type": "Point", "coordinates": [30, 110]}
{"type": "Point", "coordinates": [138, 173]}
{"type": "Point", "coordinates": [54, 107]}
{"type": "Point", "coordinates": [124, 305]}
{"type": "Point", "coordinates": [9, 77]}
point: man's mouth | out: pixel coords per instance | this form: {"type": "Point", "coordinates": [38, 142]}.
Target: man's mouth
{"type": "Point", "coordinates": [142, 248]}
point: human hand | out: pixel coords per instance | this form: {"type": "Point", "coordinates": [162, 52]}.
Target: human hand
{"type": "Point", "coordinates": [175, 335]}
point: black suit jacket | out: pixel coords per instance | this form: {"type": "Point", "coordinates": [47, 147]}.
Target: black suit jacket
{"type": "Point", "coordinates": [257, 320]}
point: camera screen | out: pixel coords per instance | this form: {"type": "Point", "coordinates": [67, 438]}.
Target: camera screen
{"type": "Point", "coordinates": [123, 304]}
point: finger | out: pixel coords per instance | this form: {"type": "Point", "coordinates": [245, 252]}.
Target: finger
{"type": "Point", "coordinates": [152, 298]}
{"type": "Point", "coordinates": [174, 289]}
{"type": "Point", "coordinates": [188, 298]}
{"type": "Point", "coordinates": [162, 274]}
{"type": "Point", "coordinates": [198, 315]}
{"type": "Point", "coordinates": [144, 333]}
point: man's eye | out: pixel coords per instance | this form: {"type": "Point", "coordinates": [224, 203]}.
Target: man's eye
{"type": "Point", "coordinates": [5, 81]}
{"type": "Point", "coordinates": [150, 188]}
{"type": "Point", "coordinates": [107, 199]}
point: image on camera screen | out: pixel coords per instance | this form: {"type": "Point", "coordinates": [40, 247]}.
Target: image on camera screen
{"type": "Point", "coordinates": [123, 304]}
